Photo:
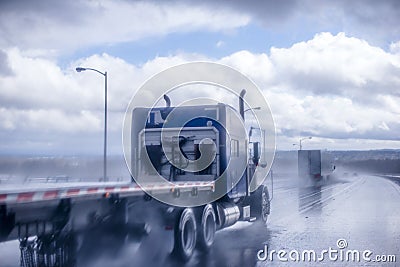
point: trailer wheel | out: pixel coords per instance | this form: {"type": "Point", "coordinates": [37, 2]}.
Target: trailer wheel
{"type": "Point", "coordinates": [207, 228]}
{"type": "Point", "coordinates": [185, 235]}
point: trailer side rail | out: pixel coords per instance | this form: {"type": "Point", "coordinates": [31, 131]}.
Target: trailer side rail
{"type": "Point", "coordinates": [30, 195]}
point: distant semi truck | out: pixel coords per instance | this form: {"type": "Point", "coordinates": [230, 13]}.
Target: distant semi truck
{"type": "Point", "coordinates": [309, 164]}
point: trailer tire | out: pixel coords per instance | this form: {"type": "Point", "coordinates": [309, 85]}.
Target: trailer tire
{"type": "Point", "coordinates": [207, 228]}
{"type": "Point", "coordinates": [185, 235]}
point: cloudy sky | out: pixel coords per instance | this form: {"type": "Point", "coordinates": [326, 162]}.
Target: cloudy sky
{"type": "Point", "coordinates": [329, 69]}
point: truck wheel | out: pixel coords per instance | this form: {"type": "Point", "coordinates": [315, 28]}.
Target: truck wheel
{"type": "Point", "coordinates": [265, 205]}
{"type": "Point", "coordinates": [207, 228]}
{"type": "Point", "coordinates": [260, 204]}
{"type": "Point", "coordinates": [185, 235]}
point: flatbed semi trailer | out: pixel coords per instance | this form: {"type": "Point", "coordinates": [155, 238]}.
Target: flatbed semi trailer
{"type": "Point", "coordinates": [47, 218]}
{"type": "Point", "coordinates": [53, 212]}
{"type": "Point", "coordinates": [14, 194]}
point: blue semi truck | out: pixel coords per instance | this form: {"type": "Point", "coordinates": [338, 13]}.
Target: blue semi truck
{"type": "Point", "coordinates": [190, 164]}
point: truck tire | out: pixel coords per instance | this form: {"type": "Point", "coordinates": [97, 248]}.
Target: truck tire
{"type": "Point", "coordinates": [207, 227]}
{"type": "Point", "coordinates": [260, 204]}
{"type": "Point", "coordinates": [185, 235]}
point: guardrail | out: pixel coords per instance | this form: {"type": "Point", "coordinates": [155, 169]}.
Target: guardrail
{"type": "Point", "coordinates": [52, 179]}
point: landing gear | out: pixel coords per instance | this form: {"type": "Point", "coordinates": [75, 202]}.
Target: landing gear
{"type": "Point", "coordinates": [48, 251]}
{"type": "Point", "coordinates": [48, 243]}
{"type": "Point", "coordinates": [185, 235]}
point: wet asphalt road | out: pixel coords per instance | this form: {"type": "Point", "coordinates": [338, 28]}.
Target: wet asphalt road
{"type": "Point", "coordinates": [363, 211]}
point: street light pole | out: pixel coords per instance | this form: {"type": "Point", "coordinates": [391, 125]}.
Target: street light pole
{"type": "Point", "coordinates": [79, 69]}
{"type": "Point", "coordinates": [304, 139]}
{"type": "Point", "coordinates": [105, 129]}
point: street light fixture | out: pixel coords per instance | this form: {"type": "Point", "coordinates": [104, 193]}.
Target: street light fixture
{"type": "Point", "coordinates": [256, 108]}
{"type": "Point", "coordinates": [80, 69]}
{"type": "Point", "coordinates": [305, 138]}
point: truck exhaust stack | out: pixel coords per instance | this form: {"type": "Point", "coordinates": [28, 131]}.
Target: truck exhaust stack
{"type": "Point", "coordinates": [241, 103]}
{"type": "Point", "coordinates": [167, 101]}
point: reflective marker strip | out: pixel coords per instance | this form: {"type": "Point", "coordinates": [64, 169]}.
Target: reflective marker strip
{"type": "Point", "coordinates": [25, 197]}
{"type": "Point", "coordinates": [50, 194]}
{"type": "Point", "coordinates": [124, 188]}
{"type": "Point", "coordinates": [92, 190]}
{"type": "Point", "coordinates": [73, 192]}
{"type": "Point", "coordinates": [60, 193]}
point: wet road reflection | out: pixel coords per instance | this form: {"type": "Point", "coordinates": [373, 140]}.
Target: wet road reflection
{"type": "Point", "coordinates": [363, 210]}
{"type": "Point", "coordinates": [310, 198]}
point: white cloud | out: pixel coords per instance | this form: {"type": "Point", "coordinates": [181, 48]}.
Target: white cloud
{"type": "Point", "coordinates": [42, 102]}
{"type": "Point", "coordinates": [257, 66]}
{"type": "Point", "coordinates": [375, 21]}
{"type": "Point", "coordinates": [395, 47]}
{"type": "Point", "coordinates": [330, 87]}
{"type": "Point", "coordinates": [49, 120]}
{"type": "Point", "coordinates": [338, 65]}
{"type": "Point", "coordinates": [62, 27]}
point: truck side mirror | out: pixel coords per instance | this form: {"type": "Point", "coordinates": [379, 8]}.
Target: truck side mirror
{"type": "Point", "coordinates": [256, 153]}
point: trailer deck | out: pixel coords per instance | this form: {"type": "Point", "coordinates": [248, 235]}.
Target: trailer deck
{"type": "Point", "coordinates": [36, 192]}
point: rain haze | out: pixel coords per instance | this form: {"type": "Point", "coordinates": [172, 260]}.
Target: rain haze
{"type": "Point", "coordinates": [329, 70]}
